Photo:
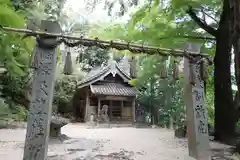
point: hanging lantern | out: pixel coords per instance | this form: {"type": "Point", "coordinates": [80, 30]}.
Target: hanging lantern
{"type": "Point", "coordinates": [204, 70]}
{"type": "Point", "coordinates": [133, 67]}
{"type": "Point", "coordinates": [163, 70]}
{"type": "Point", "coordinates": [175, 70]}
{"type": "Point", "coordinates": [68, 69]}
{"type": "Point", "coordinates": [81, 57]}
{"type": "Point", "coordinates": [192, 75]}
{"type": "Point", "coordinates": [34, 59]}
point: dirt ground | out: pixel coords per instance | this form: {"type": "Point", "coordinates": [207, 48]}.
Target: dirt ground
{"type": "Point", "coordinates": [104, 144]}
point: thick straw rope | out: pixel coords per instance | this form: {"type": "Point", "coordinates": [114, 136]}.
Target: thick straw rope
{"type": "Point", "coordinates": [134, 48]}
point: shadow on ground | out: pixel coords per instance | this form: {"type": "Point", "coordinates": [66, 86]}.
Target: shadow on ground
{"type": "Point", "coordinates": [84, 149]}
{"type": "Point", "coordinates": [89, 149]}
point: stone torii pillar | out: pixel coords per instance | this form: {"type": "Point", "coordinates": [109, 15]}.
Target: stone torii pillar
{"type": "Point", "coordinates": [40, 110]}
{"type": "Point", "coordinates": [197, 118]}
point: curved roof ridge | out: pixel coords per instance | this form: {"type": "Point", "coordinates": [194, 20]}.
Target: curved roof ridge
{"type": "Point", "coordinates": [102, 72]}
{"type": "Point", "coordinates": [123, 72]}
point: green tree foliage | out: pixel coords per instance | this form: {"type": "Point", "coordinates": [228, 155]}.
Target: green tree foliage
{"type": "Point", "coordinates": [15, 53]}
{"type": "Point", "coordinates": [161, 98]}
{"type": "Point", "coordinates": [92, 57]}
{"type": "Point", "coordinates": [166, 21]}
{"type": "Point", "coordinates": [172, 24]}
{"type": "Point", "coordinates": [65, 86]}
{"type": "Point", "coordinates": [14, 56]}
{"type": "Point", "coordinates": [125, 5]}
{"type": "Point", "coordinates": [148, 76]}
{"type": "Point", "coordinates": [64, 92]}
{"type": "Point", "coordinates": [11, 113]}
{"type": "Point", "coordinates": [43, 10]}
{"type": "Point", "coordinates": [14, 50]}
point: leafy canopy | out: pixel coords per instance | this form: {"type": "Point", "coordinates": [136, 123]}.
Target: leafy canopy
{"type": "Point", "coordinates": [14, 51]}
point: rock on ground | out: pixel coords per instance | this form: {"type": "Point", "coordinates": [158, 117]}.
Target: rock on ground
{"type": "Point", "coordinates": [103, 144]}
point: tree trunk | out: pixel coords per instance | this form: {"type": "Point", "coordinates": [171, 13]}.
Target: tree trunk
{"type": "Point", "coordinates": [235, 24]}
{"type": "Point", "coordinates": [155, 114]}
{"type": "Point", "coordinates": [237, 149]}
{"type": "Point", "coordinates": [235, 8]}
{"type": "Point", "coordinates": [224, 109]}
{"type": "Point", "coordinates": [151, 104]}
{"type": "Point", "coordinates": [152, 116]}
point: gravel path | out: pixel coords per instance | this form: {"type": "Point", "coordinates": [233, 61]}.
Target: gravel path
{"type": "Point", "coordinates": [102, 144]}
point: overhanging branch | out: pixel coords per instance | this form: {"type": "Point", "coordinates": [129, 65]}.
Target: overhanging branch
{"type": "Point", "coordinates": [203, 25]}
{"type": "Point", "coordinates": [190, 37]}
{"type": "Point", "coordinates": [204, 12]}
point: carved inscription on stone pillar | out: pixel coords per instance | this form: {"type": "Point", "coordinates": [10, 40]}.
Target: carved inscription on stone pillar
{"type": "Point", "coordinates": [200, 111]}
{"type": "Point", "coordinates": [197, 125]}
{"type": "Point", "coordinates": [40, 106]}
{"type": "Point", "coordinates": [200, 116]}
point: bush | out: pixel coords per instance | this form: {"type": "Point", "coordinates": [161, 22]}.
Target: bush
{"type": "Point", "coordinates": [3, 124]}
{"type": "Point", "coordinates": [64, 91]}
{"type": "Point", "coordinates": [5, 111]}
{"type": "Point", "coordinates": [20, 113]}
{"type": "Point", "coordinates": [235, 156]}
{"type": "Point", "coordinates": [210, 110]}
{"type": "Point", "coordinates": [238, 126]}
{"type": "Point", "coordinates": [9, 115]}
{"type": "Point", "coordinates": [65, 87]}
{"type": "Point", "coordinates": [5, 114]}
{"type": "Point", "coordinates": [210, 103]}
{"type": "Point", "coordinates": [54, 109]}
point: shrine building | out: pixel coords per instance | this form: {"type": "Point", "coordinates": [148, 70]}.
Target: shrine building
{"type": "Point", "coordinates": [107, 85]}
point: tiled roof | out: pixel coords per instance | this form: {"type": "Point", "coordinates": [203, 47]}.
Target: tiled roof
{"type": "Point", "coordinates": [124, 64]}
{"type": "Point", "coordinates": [97, 73]}
{"type": "Point", "coordinates": [113, 89]}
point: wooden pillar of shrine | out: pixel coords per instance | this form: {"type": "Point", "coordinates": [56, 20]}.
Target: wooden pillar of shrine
{"type": "Point", "coordinates": [87, 106]}
{"type": "Point", "coordinates": [134, 111]}
{"type": "Point", "coordinates": [110, 109]}
{"type": "Point", "coordinates": [99, 109]}
{"type": "Point", "coordinates": [40, 109]}
{"type": "Point", "coordinates": [197, 121]}
{"type": "Point", "coordinates": [122, 105]}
